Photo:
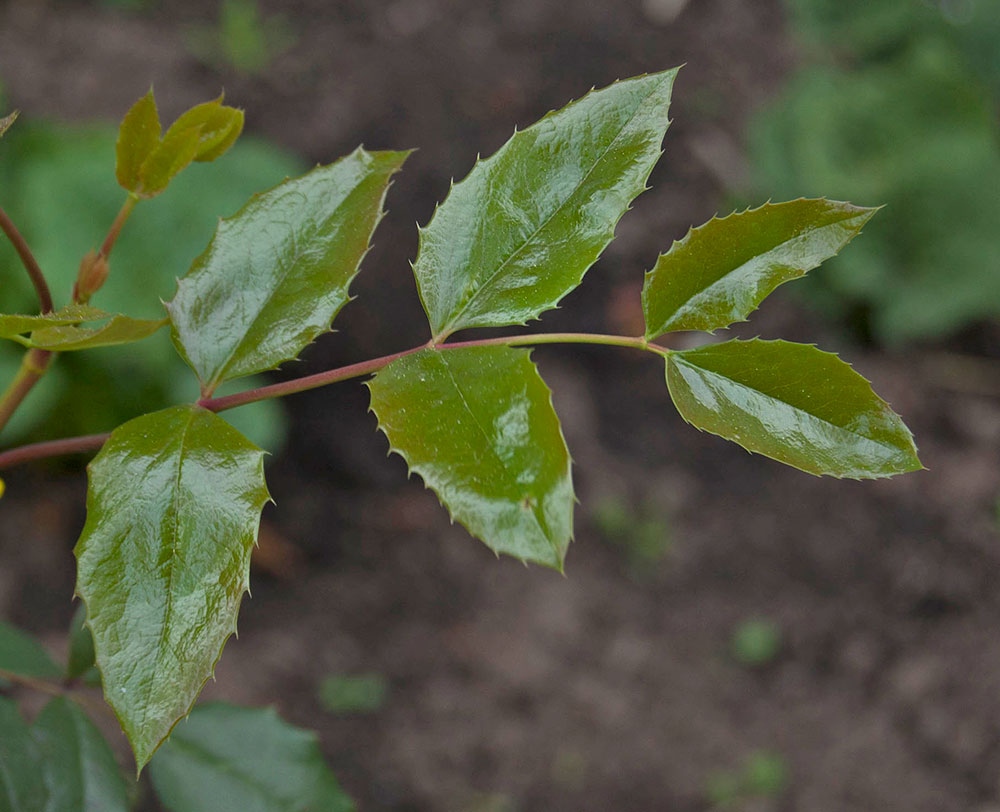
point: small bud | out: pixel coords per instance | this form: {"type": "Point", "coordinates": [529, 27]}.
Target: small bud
{"type": "Point", "coordinates": [93, 273]}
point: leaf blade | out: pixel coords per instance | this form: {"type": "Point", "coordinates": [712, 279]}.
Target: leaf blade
{"type": "Point", "coordinates": [490, 445]}
{"type": "Point", "coordinates": [721, 271]}
{"type": "Point", "coordinates": [21, 653]}
{"type": "Point", "coordinates": [173, 509]}
{"type": "Point", "coordinates": [7, 121]}
{"type": "Point", "coordinates": [793, 403]}
{"type": "Point", "coordinates": [119, 330]}
{"type": "Point", "coordinates": [219, 127]}
{"type": "Point", "coordinates": [270, 305]}
{"type": "Point", "coordinates": [138, 138]}
{"type": "Point", "coordinates": [177, 149]}
{"type": "Point", "coordinates": [548, 199]}
{"type": "Point", "coordinates": [13, 325]}
{"type": "Point", "coordinates": [22, 785]}
{"type": "Point", "coordinates": [79, 768]}
{"type": "Point", "coordinates": [232, 759]}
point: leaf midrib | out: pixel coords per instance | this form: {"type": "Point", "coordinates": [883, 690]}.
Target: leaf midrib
{"type": "Point", "coordinates": [449, 327]}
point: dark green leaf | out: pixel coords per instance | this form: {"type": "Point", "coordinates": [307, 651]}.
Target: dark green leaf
{"type": "Point", "coordinates": [177, 149]}
{"type": "Point", "coordinates": [219, 125]}
{"type": "Point", "coordinates": [793, 403]}
{"type": "Point", "coordinates": [80, 770]}
{"type": "Point", "coordinates": [22, 654]}
{"type": "Point", "coordinates": [6, 121]}
{"type": "Point", "coordinates": [22, 786]}
{"type": "Point", "coordinates": [138, 138]}
{"type": "Point", "coordinates": [478, 425]}
{"type": "Point", "coordinates": [14, 325]}
{"type": "Point", "coordinates": [81, 646]}
{"type": "Point", "coordinates": [231, 759]}
{"type": "Point", "coordinates": [521, 230]}
{"type": "Point", "coordinates": [721, 271]}
{"type": "Point", "coordinates": [172, 514]}
{"type": "Point", "coordinates": [120, 330]}
{"type": "Point", "coordinates": [276, 274]}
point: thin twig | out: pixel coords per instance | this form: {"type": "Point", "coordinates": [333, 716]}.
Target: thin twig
{"type": "Point", "coordinates": [28, 260]}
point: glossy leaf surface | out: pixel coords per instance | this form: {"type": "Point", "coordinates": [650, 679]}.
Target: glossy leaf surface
{"type": "Point", "coordinates": [79, 768]}
{"type": "Point", "coordinates": [13, 325]}
{"type": "Point", "coordinates": [119, 330]}
{"type": "Point", "coordinates": [22, 786]}
{"type": "Point", "coordinates": [172, 513]}
{"type": "Point", "coordinates": [478, 425]}
{"type": "Point", "coordinates": [81, 646]}
{"type": "Point", "coordinates": [138, 137]}
{"type": "Point", "coordinates": [792, 403]}
{"type": "Point", "coordinates": [21, 653]}
{"type": "Point", "coordinates": [276, 274]}
{"type": "Point", "coordinates": [7, 121]}
{"type": "Point", "coordinates": [231, 759]}
{"type": "Point", "coordinates": [721, 271]}
{"type": "Point", "coordinates": [519, 232]}
{"type": "Point", "coordinates": [218, 125]}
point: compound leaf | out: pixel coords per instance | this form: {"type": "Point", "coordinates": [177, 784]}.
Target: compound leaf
{"type": "Point", "coordinates": [231, 759]}
{"type": "Point", "coordinates": [138, 138]}
{"type": "Point", "coordinates": [79, 768]}
{"type": "Point", "coordinates": [22, 785]}
{"type": "Point", "coordinates": [793, 403]}
{"type": "Point", "coordinates": [14, 325]}
{"type": "Point", "coordinates": [478, 425]}
{"type": "Point", "coordinates": [519, 232]}
{"type": "Point", "coordinates": [119, 330]}
{"type": "Point", "coordinates": [21, 653]}
{"type": "Point", "coordinates": [721, 271]}
{"type": "Point", "coordinates": [276, 274]}
{"type": "Point", "coordinates": [163, 561]}
{"type": "Point", "coordinates": [7, 121]}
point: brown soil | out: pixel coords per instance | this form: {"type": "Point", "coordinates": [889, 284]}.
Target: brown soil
{"type": "Point", "coordinates": [611, 688]}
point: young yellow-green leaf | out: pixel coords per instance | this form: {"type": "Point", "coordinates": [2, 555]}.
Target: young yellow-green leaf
{"type": "Point", "coordinates": [15, 325]}
{"type": "Point", "coordinates": [478, 425]}
{"type": "Point", "coordinates": [138, 138]}
{"type": "Point", "coordinates": [721, 271]}
{"type": "Point", "coordinates": [276, 274]}
{"type": "Point", "coordinates": [120, 330]}
{"type": "Point", "coordinates": [172, 154]}
{"type": "Point", "coordinates": [22, 785]}
{"type": "Point", "coordinates": [231, 759]}
{"type": "Point", "coordinates": [792, 403]}
{"type": "Point", "coordinates": [172, 513]}
{"type": "Point", "coordinates": [519, 232]}
{"type": "Point", "coordinates": [22, 654]}
{"type": "Point", "coordinates": [80, 770]}
{"type": "Point", "coordinates": [81, 646]}
{"type": "Point", "coordinates": [219, 125]}
{"type": "Point", "coordinates": [6, 121]}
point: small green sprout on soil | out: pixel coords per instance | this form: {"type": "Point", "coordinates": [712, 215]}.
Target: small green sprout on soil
{"type": "Point", "coordinates": [175, 496]}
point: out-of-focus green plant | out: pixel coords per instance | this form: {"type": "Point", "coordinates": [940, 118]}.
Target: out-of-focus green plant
{"type": "Point", "coordinates": [242, 39]}
{"type": "Point", "coordinates": [755, 642]}
{"type": "Point", "coordinates": [764, 775]}
{"type": "Point", "coordinates": [343, 694]}
{"type": "Point", "coordinates": [644, 535]}
{"type": "Point", "coordinates": [903, 109]}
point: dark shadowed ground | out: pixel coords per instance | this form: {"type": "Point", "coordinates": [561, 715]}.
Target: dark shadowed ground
{"type": "Point", "coordinates": [611, 688]}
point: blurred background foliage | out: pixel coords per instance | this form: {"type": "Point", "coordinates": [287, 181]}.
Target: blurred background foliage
{"type": "Point", "coordinates": [59, 186]}
{"type": "Point", "coordinates": [896, 102]}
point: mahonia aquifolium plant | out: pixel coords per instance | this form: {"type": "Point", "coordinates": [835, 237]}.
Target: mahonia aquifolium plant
{"type": "Point", "coordinates": [175, 497]}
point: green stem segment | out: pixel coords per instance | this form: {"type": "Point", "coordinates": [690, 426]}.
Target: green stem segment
{"type": "Point", "coordinates": [117, 225]}
{"type": "Point", "coordinates": [33, 367]}
{"type": "Point", "coordinates": [92, 442]}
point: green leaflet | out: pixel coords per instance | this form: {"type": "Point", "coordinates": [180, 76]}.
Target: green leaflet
{"type": "Point", "coordinates": [80, 770]}
{"type": "Point", "coordinates": [81, 646]}
{"type": "Point", "coordinates": [172, 154]}
{"type": "Point", "coordinates": [231, 759]}
{"type": "Point", "coordinates": [6, 121]}
{"type": "Point", "coordinates": [138, 137]}
{"type": "Point", "coordinates": [23, 654]}
{"type": "Point", "coordinates": [721, 271]}
{"type": "Point", "coordinates": [120, 330]}
{"type": "Point", "coordinates": [478, 425]}
{"type": "Point", "coordinates": [218, 128]}
{"type": "Point", "coordinates": [15, 325]}
{"type": "Point", "coordinates": [22, 786]}
{"type": "Point", "coordinates": [172, 513]}
{"type": "Point", "coordinates": [276, 274]}
{"type": "Point", "coordinates": [524, 226]}
{"type": "Point", "coordinates": [793, 403]}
